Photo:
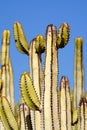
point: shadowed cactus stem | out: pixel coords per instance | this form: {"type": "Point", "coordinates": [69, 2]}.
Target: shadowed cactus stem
{"type": "Point", "coordinates": [82, 118]}
{"type": "Point", "coordinates": [25, 117]}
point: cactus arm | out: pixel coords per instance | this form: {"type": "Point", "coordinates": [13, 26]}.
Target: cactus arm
{"type": "Point", "coordinates": [63, 35]}
{"type": "Point", "coordinates": [4, 120]}
{"type": "Point", "coordinates": [28, 92]}
{"type": "Point", "coordinates": [9, 113]}
{"type": "Point", "coordinates": [20, 39]}
{"type": "Point", "coordinates": [78, 71]}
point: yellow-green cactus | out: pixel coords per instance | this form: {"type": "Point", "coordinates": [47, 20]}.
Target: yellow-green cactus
{"type": "Point", "coordinates": [20, 39]}
{"type": "Point", "coordinates": [28, 92]}
{"type": "Point", "coordinates": [40, 44]}
{"type": "Point", "coordinates": [63, 35]}
{"type": "Point", "coordinates": [6, 68]}
{"type": "Point", "coordinates": [7, 115]}
{"type": "Point", "coordinates": [78, 71]}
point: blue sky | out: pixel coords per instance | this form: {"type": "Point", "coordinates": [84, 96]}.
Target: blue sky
{"type": "Point", "coordinates": [34, 17]}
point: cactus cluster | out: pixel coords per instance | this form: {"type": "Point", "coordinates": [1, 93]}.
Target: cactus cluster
{"type": "Point", "coordinates": [43, 104]}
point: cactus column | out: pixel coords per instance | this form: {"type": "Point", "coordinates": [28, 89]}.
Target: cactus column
{"type": "Point", "coordinates": [51, 88]}
{"type": "Point", "coordinates": [36, 76]}
{"type": "Point", "coordinates": [65, 104]}
{"type": "Point", "coordinates": [78, 72]}
{"type": "Point", "coordinates": [6, 69]}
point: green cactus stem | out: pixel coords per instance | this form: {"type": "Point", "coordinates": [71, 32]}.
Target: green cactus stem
{"type": "Point", "coordinates": [6, 69]}
{"type": "Point", "coordinates": [7, 115]}
{"type": "Point", "coordinates": [63, 35]}
{"type": "Point", "coordinates": [40, 44]}
{"type": "Point", "coordinates": [3, 119]}
{"type": "Point", "coordinates": [20, 39]}
{"type": "Point", "coordinates": [28, 92]}
{"type": "Point", "coordinates": [65, 104]}
{"type": "Point", "coordinates": [78, 71]}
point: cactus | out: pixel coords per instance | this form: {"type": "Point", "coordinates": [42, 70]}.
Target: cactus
{"type": "Point", "coordinates": [43, 105]}
{"type": "Point", "coordinates": [6, 69]}
{"type": "Point", "coordinates": [47, 93]}
{"type": "Point", "coordinates": [65, 105]}
{"type": "Point", "coordinates": [78, 72]}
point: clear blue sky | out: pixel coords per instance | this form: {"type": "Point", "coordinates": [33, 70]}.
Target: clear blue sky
{"type": "Point", "coordinates": [34, 16]}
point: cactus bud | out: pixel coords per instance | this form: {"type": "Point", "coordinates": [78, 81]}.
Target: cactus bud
{"type": "Point", "coordinates": [40, 44]}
